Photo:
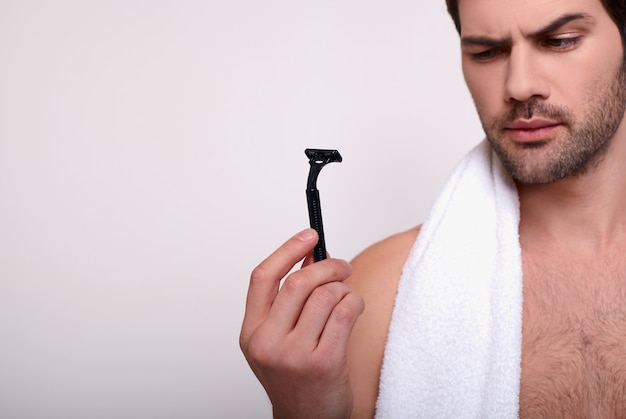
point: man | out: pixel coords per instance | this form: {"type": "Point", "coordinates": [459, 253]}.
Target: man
{"type": "Point", "coordinates": [549, 84]}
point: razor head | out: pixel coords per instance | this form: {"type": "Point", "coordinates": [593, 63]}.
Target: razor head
{"type": "Point", "coordinates": [320, 156]}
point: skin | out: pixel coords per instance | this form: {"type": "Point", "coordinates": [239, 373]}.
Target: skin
{"type": "Point", "coordinates": [295, 337]}
{"type": "Point", "coordinates": [575, 113]}
{"type": "Point", "coordinates": [573, 226]}
{"type": "Point", "coordinates": [335, 374]}
{"type": "Point", "coordinates": [316, 344]}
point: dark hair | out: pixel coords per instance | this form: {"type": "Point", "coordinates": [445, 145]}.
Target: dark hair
{"type": "Point", "coordinates": [615, 8]}
{"type": "Point", "coordinates": [453, 10]}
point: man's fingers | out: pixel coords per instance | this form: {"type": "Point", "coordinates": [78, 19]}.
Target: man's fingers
{"type": "Point", "coordinates": [298, 288]}
{"type": "Point", "coordinates": [317, 310]}
{"type": "Point", "coordinates": [334, 339]}
{"type": "Point", "coordinates": [265, 278]}
{"type": "Point", "coordinates": [309, 259]}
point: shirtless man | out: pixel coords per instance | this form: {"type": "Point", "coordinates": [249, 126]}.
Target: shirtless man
{"type": "Point", "coordinates": [549, 84]}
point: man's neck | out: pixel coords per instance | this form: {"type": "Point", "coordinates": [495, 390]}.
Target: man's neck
{"type": "Point", "coordinates": [589, 208]}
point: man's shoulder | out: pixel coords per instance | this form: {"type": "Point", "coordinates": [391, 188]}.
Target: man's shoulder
{"type": "Point", "coordinates": [375, 275]}
{"type": "Point", "coordinates": [376, 271]}
{"type": "Point", "coordinates": [386, 254]}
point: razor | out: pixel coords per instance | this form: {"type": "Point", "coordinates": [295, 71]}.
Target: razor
{"type": "Point", "coordinates": [317, 159]}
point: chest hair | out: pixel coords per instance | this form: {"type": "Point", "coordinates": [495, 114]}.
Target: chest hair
{"type": "Point", "coordinates": [574, 337]}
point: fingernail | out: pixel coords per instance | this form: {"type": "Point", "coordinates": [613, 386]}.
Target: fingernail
{"type": "Point", "coordinates": [306, 235]}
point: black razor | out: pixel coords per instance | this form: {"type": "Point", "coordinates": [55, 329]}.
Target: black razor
{"type": "Point", "coordinates": [318, 159]}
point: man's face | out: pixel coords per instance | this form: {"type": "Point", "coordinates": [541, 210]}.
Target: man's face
{"type": "Point", "coordinates": [548, 81]}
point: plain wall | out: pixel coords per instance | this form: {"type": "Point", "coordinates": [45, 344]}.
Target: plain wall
{"type": "Point", "coordinates": [151, 154]}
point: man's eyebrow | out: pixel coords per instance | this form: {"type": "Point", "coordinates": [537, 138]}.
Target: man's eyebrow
{"type": "Point", "coordinates": [486, 41]}
{"type": "Point", "coordinates": [557, 23]}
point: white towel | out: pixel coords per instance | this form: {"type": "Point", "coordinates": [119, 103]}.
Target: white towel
{"type": "Point", "coordinates": [454, 344]}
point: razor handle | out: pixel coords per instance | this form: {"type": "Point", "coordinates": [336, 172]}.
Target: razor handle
{"type": "Point", "coordinates": [315, 219]}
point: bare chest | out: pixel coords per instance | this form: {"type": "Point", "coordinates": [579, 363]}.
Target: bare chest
{"type": "Point", "coordinates": [574, 340]}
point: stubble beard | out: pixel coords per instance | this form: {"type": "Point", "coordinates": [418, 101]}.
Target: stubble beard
{"type": "Point", "coordinates": [580, 149]}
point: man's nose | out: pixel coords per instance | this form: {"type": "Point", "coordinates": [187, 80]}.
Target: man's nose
{"type": "Point", "coordinates": [525, 78]}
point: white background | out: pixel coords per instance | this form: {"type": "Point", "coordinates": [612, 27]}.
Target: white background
{"type": "Point", "coordinates": [151, 154]}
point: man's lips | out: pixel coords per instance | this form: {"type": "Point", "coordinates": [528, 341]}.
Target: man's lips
{"type": "Point", "coordinates": [534, 130]}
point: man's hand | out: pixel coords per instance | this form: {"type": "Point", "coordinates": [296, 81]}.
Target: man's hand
{"type": "Point", "coordinates": [295, 337]}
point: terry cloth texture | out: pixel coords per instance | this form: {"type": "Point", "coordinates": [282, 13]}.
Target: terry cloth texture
{"type": "Point", "coordinates": [454, 344]}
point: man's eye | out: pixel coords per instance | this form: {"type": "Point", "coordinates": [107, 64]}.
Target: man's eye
{"type": "Point", "coordinates": [487, 55]}
{"type": "Point", "coordinates": [561, 43]}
